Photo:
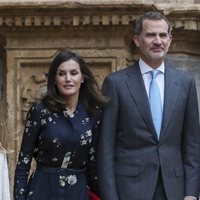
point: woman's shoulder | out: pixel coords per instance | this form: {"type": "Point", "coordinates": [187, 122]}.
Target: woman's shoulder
{"type": "Point", "coordinates": [38, 109]}
{"type": "Point", "coordinates": [37, 106]}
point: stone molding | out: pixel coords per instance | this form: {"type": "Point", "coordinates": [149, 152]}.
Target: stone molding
{"type": "Point", "coordinates": [79, 16]}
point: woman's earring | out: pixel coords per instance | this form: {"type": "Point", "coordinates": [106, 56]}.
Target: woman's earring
{"type": "Point", "coordinates": [82, 81]}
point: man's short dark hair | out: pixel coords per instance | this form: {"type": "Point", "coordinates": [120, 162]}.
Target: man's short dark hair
{"type": "Point", "coordinates": [150, 16]}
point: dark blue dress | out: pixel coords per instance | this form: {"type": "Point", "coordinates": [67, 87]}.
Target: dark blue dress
{"type": "Point", "coordinates": [64, 149]}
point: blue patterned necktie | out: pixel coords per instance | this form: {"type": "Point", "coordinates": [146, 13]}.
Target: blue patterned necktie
{"type": "Point", "coordinates": [155, 102]}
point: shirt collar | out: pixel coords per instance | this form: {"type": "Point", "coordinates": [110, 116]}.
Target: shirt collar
{"type": "Point", "coordinates": [144, 68]}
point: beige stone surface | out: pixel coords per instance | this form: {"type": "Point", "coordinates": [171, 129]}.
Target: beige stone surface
{"type": "Point", "coordinates": [75, 3]}
{"type": "Point", "coordinates": [31, 32]}
{"type": "Point", "coordinates": [99, 1]}
{"type": "Point", "coordinates": [83, 1]}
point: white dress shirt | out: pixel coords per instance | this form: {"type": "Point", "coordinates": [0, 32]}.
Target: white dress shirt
{"type": "Point", "coordinates": [146, 75]}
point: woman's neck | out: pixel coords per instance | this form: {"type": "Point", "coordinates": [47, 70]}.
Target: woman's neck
{"type": "Point", "coordinates": [71, 105]}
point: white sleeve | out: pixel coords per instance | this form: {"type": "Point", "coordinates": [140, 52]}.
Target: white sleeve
{"type": "Point", "coordinates": [4, 178]}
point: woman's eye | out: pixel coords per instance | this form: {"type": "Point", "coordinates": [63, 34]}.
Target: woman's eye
{"type": "Point", "coordinates": [74, 72]}
{"type": "Point", "coordinates": [60, 74]}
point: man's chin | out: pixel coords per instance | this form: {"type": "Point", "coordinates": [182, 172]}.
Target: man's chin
{"type": "Point", "coordinates": [157, 56]}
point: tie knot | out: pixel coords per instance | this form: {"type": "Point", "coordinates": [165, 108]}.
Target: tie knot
{"type": "Point", "coordinates": [154, 73]}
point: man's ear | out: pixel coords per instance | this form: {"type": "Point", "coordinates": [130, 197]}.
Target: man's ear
{"type": "Point", "coordinates": [136, 40]}
{"type": "Point", "coordinates": [170, 37]}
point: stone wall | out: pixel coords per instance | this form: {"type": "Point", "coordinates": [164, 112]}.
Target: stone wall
{"type": "Point", "coordinates": [96, 2]}
{"type": "Point", "coordinates": [101, 31]}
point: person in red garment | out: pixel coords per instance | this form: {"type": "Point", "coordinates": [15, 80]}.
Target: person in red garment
{"type": "Point", "coordinates": [61, 134]}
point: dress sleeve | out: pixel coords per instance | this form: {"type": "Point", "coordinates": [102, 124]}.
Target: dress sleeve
{"type": "Point", "coordinates": [92, 160]}
{"type": "Point", "coordinates": [6, 186]}
{"type": "Point", "coordinates": [29, 141]}
{"type": "Point", "coordinates": [4, 179]}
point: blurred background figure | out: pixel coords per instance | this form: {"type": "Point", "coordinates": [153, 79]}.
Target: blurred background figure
{"type": "Point", "coordinates": [4, 174]}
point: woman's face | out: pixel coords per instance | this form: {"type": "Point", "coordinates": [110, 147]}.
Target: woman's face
{"type": "Point", "coordinates": [69, 78]}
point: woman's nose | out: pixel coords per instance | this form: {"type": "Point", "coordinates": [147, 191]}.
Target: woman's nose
{"type": "Point", "coordinates": [67, 77]}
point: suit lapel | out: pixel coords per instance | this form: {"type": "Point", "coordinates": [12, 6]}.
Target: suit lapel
{"type": "Point", "coordinates": [137, 89]}
{"type": "Point", "coordinates": [170, 96]}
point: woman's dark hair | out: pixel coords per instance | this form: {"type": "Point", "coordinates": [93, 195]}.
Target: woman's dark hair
{"type": "Point", "coordinates": [89, 95]}
{"type": "Point", "coordinates": [150, 16]}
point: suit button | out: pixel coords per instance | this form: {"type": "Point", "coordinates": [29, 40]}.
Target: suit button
{"type": "Point", "coordinates": [156, 166]}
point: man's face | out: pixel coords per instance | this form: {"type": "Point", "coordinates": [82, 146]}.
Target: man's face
{"type": "Point", "coordinates": [153, 42]}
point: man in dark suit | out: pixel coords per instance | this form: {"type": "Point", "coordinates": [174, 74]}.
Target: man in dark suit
{"type": "Point", "coordinates": [145, 155]}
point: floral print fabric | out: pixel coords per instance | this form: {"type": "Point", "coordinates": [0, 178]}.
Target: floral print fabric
{"type": "Point", "coordinates": [57, 140]}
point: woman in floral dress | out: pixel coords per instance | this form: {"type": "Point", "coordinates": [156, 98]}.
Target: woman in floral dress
{"type": "Point", "coordinates": [61, 135]}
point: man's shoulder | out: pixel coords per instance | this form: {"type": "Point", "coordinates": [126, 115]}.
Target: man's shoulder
{"type": "Point", "coordinates": [179, 72]}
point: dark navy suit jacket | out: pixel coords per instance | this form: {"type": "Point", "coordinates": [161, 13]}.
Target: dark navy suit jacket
{"type": "Point", "coordinates": [130, 154]}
